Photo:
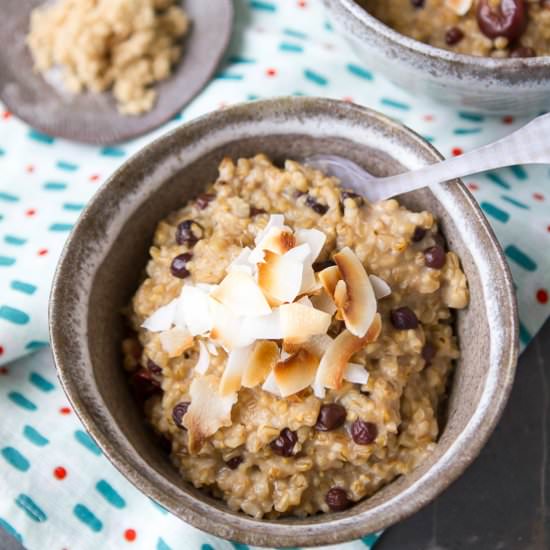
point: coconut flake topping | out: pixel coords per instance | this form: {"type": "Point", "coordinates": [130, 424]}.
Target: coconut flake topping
{"type": "Point", "coordinates": [271, 314]}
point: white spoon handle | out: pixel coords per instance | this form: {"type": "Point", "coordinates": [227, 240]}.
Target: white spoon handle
{"type": "Point", "coordinates": [528, 145]}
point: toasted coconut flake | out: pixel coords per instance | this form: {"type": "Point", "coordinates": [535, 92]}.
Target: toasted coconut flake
{"type": "Point", "coordinates": [240, 293]}
{"type": "Point", "coordinates": [318, 388]}
{"type": "Point", "coordinates": [271, 386]}
{"type": "Point", "coordinates": [175, 341]}
{"type": "Point", "coordinates": [226, 326]}
{"type": "Point", "coordinates": [318, 345]}
{"type": "Point", "coordinates": [261, 361]}
{"type": "Point", "coordinates": [335, 360]}
{"type": "Point", "coordinates": [275, 220]}
{"type": "Point", "coordinates": [211, 347]}
{"type": "Point", "coordinates": [204, 359]}
{"type": "Point", "coordinates": [206, 287]}
{"type": "Point", "coordinates": [360, 305]}
{"type": "Point", "coordinates": [279, 278]}
{"type": "Point", "coordinates": [314, 238]}
{"type": "Point", "coordinates": [162, 318]}
{"type": "Point", "coordinates": [310, 285]}
{"type": "Point", "coordinates": [193, 310]}
{"type": "Point", "coordinates": [324, 302]}
{"type": "Point", "coordinates": [296, 372]}
{"type": "Point", "coordinates": [300, 322]}
{"type": "Point", "coordinates": [208, 412]}
{"type": "Point", "coordinates": [341, 295]}
{"type": "Point", "coordinates": [278, 240]}
{"type": "Point", "coordinates": [242, 261]}
{"type": "Point", "coordinates": [299, 253]}
{"type": "Point", "coordinates": [267, 327]}
{"type": "Point", "coordinates": [380, 287]}
{"type": "Point", "coordinates": [329, 278]}
{"type": "Point", "coordinates": [232, 375]}
{"type": "Point", "coordinates": [356, 373]}
{"type": "Point", "coordinates": [460, 7]}
{"type": "Point", "coordinates": [275, 223]}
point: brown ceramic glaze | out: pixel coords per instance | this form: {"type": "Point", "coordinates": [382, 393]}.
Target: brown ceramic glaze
{"type": "Point", "coordinates": [104, 258]}
{"type": "Point", "coordinates": [43, 103]}
{"type": "Point", "coordinates": [488, 85]}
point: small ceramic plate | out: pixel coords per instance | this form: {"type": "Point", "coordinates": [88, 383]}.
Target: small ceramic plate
{"type": "Point", "coordinates": [93, 118]}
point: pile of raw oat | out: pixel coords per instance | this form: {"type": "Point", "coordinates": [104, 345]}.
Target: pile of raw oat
{"type": "Point", "coordinates": [123, 45]}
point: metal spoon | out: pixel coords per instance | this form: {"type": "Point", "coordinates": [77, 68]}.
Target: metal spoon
{"type": "Point", "coordinates": [528, 145]}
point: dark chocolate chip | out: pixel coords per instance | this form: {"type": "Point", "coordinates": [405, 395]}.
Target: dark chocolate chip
{"type": "Point", "coordinates": [417, 3]}
{"type": "Point", "coordinates": [153, 367]}
{"type": "Point", "coordinates": [435, 257]}
{"type": "Point", "coordinates": [337, 499]}
{"type": "Point", "coordinates": [363, 433]}
{"type": "Point", "coordinates": [234, 462]}
{"type": "Point", "coordinates": [453, 36]}
{"type": "Point", "coordinates": [178, 266]}
{"type": "Point", "coordinates": [178, 412]}
{"type": "Point", "coordinates": [403, 318]}
{"type": "Point", "coordinates": [256, 211]}
{"type": "Point", "coordinates": [284, 444]}
{"type": "Point", "coordinates": [419, 234]}
{"type": "Point", "coordinates": [351, 195]}
{"type": "Point", "coordinates": [331, 416]}
{"type": "Point", "coordinates": [144, 384]}
{"type": "Point", "coordinates": [189, 232]}
{"type": "Point", "coordinates": [316, 206]}
{"type": "Point", "coordinates": [204, 199]}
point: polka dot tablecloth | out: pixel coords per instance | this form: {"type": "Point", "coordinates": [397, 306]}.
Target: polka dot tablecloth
{"type": "Point", "coordinates": [58, 491]}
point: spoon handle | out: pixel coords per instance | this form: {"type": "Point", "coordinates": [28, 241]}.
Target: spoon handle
{"type": "Point", "coordinates": [528, 145]}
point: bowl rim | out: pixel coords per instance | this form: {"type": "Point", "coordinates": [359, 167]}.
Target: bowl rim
{"type": "Point", "coordinates": [335, 529]}
{"type": "Point", "coordinates": [417, 47]}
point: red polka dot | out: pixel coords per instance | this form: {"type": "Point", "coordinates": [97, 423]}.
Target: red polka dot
{"type": "Point", "coordinates": [548, 228]}
{"type": "Point", "coordinates": [271, 72]}
{"type": "Point", "coordinates": [42, 252]}
{"type": "Point", "coordinates": [347, 99]}
{"type": "Point", "coordinates": [60, 473]}
{"type": "Point", "coordinates": [542, 296]}
{"type": "Point", "coordinates": [473, 186]}
{"type": "Point", "coordinates": [302, 3]}
{"type": "Point", "coordinates": [130, 535]}
{"type": "Point", "coordinates": [6, 115]}
{"type": "Point", "coordinates": [30, 212]}
{"type": "Point", "coordinates": [507, 119]}
{"type": "Point", "coordinates": [538, 196]}
{"type": "Point", "coordinates": [2, 347]}
{"type": "Point", "coordinates": [94, 177]}
{"type": "Point", "coordinates": [29, 168]}
{"type": "Point", "coordinates": [428, 118]}
{"type": "Point", "coordinates": [456, 151]}
{"type": "Point", "coordinates": [4, 370]}
{"type": "Point", "coordinates": [65, 410]}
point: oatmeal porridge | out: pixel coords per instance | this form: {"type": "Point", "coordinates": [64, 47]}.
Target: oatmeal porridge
{"type": "Point", "coordinates": [292, 343]}
{"type": "Point", "coordinates": [494, 28]}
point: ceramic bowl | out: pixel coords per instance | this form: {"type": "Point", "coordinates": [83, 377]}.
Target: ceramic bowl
{"type": "Point", "coordinates": [487, 85]}
{"type": "Point", "coordinates": [103, 261]}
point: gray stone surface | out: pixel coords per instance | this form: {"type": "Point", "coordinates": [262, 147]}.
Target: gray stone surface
{"type": "Point", "coordinates": [501, 502]}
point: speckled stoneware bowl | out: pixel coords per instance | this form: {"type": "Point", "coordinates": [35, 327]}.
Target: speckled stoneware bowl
{"type": "Point", "coordinates": [104, 258]}
{"type": "Point", "coordinates": [493, 86]}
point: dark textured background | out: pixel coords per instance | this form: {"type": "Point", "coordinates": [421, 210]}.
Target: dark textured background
{"type": "Point", "coordinates": [501, 502]}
